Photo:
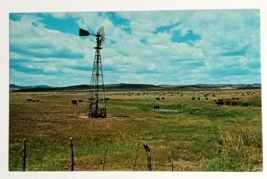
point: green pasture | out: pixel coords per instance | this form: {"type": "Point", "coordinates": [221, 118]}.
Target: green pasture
{"type": "Point", "coordinates": [192, 127]}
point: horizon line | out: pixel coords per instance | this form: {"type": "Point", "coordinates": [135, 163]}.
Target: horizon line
{"type": "Point", "coordinates": [142, 84]}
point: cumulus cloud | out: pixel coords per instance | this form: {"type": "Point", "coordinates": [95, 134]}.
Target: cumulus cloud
{"type": "Point", "coordinates": [165, 47]}
{"type": "Point", "coordinates": [59, 14]}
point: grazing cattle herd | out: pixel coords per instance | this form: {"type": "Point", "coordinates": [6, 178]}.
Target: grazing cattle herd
{"type": "Point", "coordinates": [219, 102]}
{"type": "Point", "coordinates": [75, 102]}
{"type": "Point", "coordinates": [32, 100]}
{"type": "Point", "coordinates": [193, 95]}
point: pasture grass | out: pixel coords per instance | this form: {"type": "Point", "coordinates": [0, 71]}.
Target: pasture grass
{"type": "Point", "coordinates": [193, 132]}
{"type": "Point", "coordinates": [239, 152]}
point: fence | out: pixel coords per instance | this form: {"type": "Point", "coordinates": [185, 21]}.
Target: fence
{"type": "Point", "coordinates": [146, 147]}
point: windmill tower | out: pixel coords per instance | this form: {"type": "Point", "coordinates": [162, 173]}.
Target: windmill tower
{"type": "Point", "coordinates": [97, 101]}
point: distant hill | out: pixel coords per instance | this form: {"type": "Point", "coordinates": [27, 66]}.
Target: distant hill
{"type": "Point", "coordinates": [38, 86]}
{"type": "Point", "coordinates": [13, 87]}
{"type": "Point", "coordinates": [134, 87]}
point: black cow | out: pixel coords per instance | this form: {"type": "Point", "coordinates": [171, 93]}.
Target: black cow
{"type": "Point", "coordinates": [29, 100]}
{"type": "Point", "coordinates": [162, 98]}
{"type": "Point", "coordinates": [219, 103]}
{"type": "Point", "coordinates": [156, 107]}
{"type": "Point", "coordinates": [80, 101]}
{"type": "Point", "coordinates": [157, 99]}
{"type": "Point", "coordinates": [74, 102]}
{"type": "Point", "coordinates": [234, 104]}
{"type": "Point", "coordinates": [245, 104]}
{"type": "Point", "coordinates": [193, 98]}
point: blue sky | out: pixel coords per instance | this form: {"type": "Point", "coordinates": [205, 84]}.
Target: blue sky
{"type": "Point", "coordinates": [156, 47]}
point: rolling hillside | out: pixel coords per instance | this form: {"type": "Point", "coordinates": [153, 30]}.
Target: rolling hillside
{"type": "Point", "coordinates": [134, 87]}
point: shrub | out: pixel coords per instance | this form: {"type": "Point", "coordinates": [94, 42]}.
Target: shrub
{"type": "Point", "coordinates": [238, 152]}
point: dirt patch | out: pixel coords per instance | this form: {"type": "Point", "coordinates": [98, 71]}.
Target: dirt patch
{"type": "Point", "coordinates": [120, 118]}
{"type": "Point", "coordinates": [186, 165]}
{"type": "Point", "coordinates": [83, 116]}
{"type": "Point", "coordinates": [165, 110]}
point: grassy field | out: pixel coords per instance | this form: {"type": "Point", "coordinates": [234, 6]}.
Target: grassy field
{"type": "Point", "coordinates": [192, 127]}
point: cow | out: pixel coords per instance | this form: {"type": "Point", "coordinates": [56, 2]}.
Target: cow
{"type": "Point", "coordinates": [198, 98]}
{"type": "Point", "coordinates": [219, 103]}
{"type": "Point", "coordinates": [237, 98]}
{"type": "Point", "coordinates": [29, 100]}
{"type": "Point", "coordinates": [234, 104]}
{"type": "Point", "coordinates": [156, 107]}
{"type": "Point", "coordinates": [74, 102]}
{"type": "Point", "coordinates": [33, 100]}
{"type": "Point", "coordinates": [107, 99]}
{"type": "Point", "coordinates": [163, 98]}
{"type": "Point", "coordinates": [245, 104]}
{"type": "Point", "coordinates": [207, 98]}
{"type": "Point", "coordinates": [181, 95]}
{"type": "Point", "coordinates": [228, 103]}
{"type": "Point", "coordinates": [213, 95]}
{"type": "Point", "coordinates": [193, 98]}
{"type": "Point", "coordinates": [215, 101]}
{"type": "Point", "coordinates": [157, 99]}
{"type": "Point", "coordinates": [37, 100]}
{"type": "Point", "coordinates": [80, 101]}
{"type": "Point", "coordinates": [220, 100]}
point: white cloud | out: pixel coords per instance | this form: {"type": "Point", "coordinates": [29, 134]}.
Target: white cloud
{"type": "Point", "coordinates": [60, 15]}
{"type": "Point", "coordinates": [107, 61]}
{"type": "Point", "coordinates": [221, 32]}
{"type": "Point", "coordinates": [30, 66]}
{"type": "Point", "coordinates": [50, 68]}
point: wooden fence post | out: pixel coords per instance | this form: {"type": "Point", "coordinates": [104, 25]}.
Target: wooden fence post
{"type": "Point", "coordinates": [172, 159]}
{"type": "Point", "coordinates": [148, 156]}
{"type": "Point", "coordinates": [24, 155]}
{"type": "Point", "coordinates": [104, 159]}
{"type": "Point", "coordinates": [136, 157]}
{"type": "Point", "coordinates": [72, 155]}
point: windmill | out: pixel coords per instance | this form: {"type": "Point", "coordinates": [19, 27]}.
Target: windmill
{"type": "Point", "coordinates": [97, 101]}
